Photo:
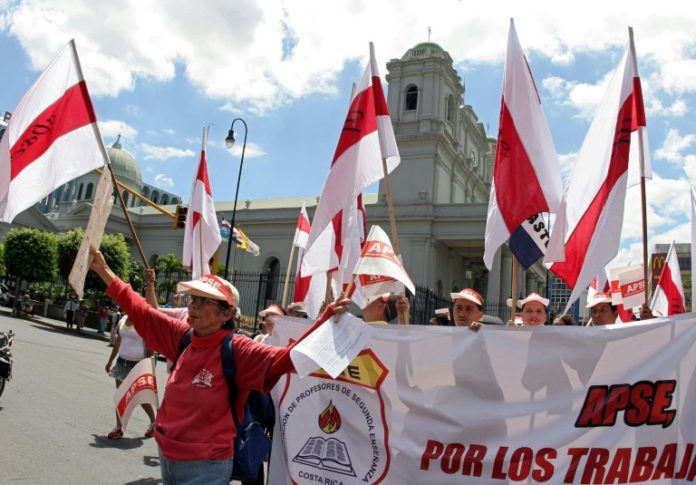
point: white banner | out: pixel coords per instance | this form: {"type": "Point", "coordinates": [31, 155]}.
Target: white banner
{"type": "Point", "coordinates": [439, 405]}
{"type": "Point", "coordinates": [139, 387]}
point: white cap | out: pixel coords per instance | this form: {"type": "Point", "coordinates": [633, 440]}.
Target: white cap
{"type": "Point", "coordinates": [599, 297]}
{"type": "Point", "coordinates": [210, 286]}
{"type": "Point", "coordinates": [272, 309]}
{"type": "Point", "coordinates": [535, 297]}
{"type": "Point", "coordinates": [468, 294]}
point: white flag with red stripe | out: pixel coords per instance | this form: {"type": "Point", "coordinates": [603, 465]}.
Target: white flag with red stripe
{"type": "Point", "coordinates": [302, 229]}
{"type": "Point", "coordinates": [201, 234]}
{"type": "Point", "coordinates": [52, 137]}
{"type": "Point", "coordinates": [668, 296]}
{"type": "Point", "coordinates": [378, 258]}
{"type": "Point", "coordinates": [366, 139]}
{"type": "Point", "coordinates": [587, 231]}
{"type": "Point", "coordinates": [526, 174]}
{"type": "Point", "coordinates": [139, 387]}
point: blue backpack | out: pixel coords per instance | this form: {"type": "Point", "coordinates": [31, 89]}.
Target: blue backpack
{"type": "Point", "coordinates": [252, 443]}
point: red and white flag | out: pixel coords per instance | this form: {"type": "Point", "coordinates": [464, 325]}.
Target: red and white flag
{"type": "Point", "coordinates": [603, 284]}
{"type": "Point", "coordinates": [587, 230]}
{"type": "Point", "coordinates": [302, 228]}
{"type": "Point", "coordinates": [668, 296]}
{"type": "Point", "coordinates": [366, 139]}
{"type": "Point", "coordinates": [378, 258]}
{"type": "Point", "coordinates": [139, 387]}
{"type": "Point", "coordinates": [526, 174]}
{"type": "Point", "coordinates": [201, 234]}
{"type": "Point", "coordinates": [52, 137]}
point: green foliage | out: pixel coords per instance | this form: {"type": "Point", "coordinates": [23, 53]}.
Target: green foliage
{"type": "Point", "coordinates": [170, 271]}
{"type": "Point", "coordinates": [31, 254]}
{"type": "Point", "coordinates": [113, 247]}
{"type": "Point", "coordinates": [3, 269]}
{"type": "Point", "coordinates": [135, 271]}
{"type": "Point", "coordinates": [46, 290]}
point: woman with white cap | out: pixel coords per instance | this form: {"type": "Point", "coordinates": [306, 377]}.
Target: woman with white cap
{"type": "Point", "coordinates": [534, 310]}
{"type": "Point", "coordinates": [194, 428]}
{"type": "Point", "coordinates": [268, 315]}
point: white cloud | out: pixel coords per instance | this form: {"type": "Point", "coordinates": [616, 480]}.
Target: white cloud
{"type": "Point", "coordinates": [163, 180]}
{"type": "Point", "coordinates": [673, 146]}
{"type": "Point", "coordinates": [566, 161]}
{"type": "Point", "coordinates": [582, 97]}
{"type": "Point", "coordinates": [252, 150]}
{"type": "Point", "coordinates": [259, 56]}
{"type": "Point", "coordinates": [153, 152]}
{"type": "Point", "coordinates": [110, 129]}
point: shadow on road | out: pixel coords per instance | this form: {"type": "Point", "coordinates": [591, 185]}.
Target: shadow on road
{"type": "Point", "coordinates": [151, 461]}
{"type": "Point", "coordinates": [145, 481]}
{"type": "Point", "coordinates": [121, 443]}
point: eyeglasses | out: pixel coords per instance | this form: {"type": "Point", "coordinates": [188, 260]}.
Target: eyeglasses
{"type": "Point", "coordinates": [198, 301]}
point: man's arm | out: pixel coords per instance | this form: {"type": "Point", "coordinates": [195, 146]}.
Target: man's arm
{"type": "Point", "coordinates": [150, 294]}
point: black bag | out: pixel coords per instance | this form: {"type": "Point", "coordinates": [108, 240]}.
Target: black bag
{"type": "Point", "coordinates": [252, 443]}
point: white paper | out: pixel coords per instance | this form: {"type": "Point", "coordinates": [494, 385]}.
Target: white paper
{"type": "Point", "coordinates": [101, 208]}
{"type": "Point", "coordinates": [615, 288]}
{"type": "Point", "coordinates": [332, 346]}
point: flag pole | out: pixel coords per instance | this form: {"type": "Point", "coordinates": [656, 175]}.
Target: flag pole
{"type": "Point", "coordinates": [102, 148]}
{"type": "Point", "coordinates": [641, 158]}
{"type": "Point", "coordinates": [287, 275]}
{"type": "Point", "coordinates": [327, 293]}
{"type": "Point", "coordinates": [390, 209]}
{"type": "Point", "coordinates": [513, 298]}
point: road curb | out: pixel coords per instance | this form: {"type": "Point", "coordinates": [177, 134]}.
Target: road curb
{"type": "Point", "coordinates": [49, 322]}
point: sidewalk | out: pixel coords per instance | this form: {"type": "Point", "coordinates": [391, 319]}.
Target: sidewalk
{"type": "Point", "coordinates": [56, 324]}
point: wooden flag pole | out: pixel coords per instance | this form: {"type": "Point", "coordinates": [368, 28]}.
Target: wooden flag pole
{"type": "Point", "coordinates": [327, 293]}
{"type": "Point", "coordinates": [287, 276]}
{"type": "Point", "coordinates": [643, 198]}
{"type": "Point", "coordinates": [513, 299]}
{"type": "Point", "coordinates": [127, 216]}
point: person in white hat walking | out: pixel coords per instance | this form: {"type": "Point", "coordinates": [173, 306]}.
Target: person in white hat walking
{"type": "Point", "coordinates": [534, 310]}
{"type": "Point", "coordinates": [602, 312]}
{"type": "Point", "coordinates": [468, 308]}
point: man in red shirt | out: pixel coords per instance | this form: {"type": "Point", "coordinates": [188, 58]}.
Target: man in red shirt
{"type": "Point", "coordinates": [194, 428]}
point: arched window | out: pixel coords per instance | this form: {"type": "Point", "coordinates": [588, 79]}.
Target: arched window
{"type": "Point", "coordinates": [125, 199]}
{"type": "Point", "coordinates": [66, 193]}
{"type": "Point", "coordinates": [146, 191]}
{"type": "Point", "coordinates": [164, 200]}
{"type": "Point", "coordinates": [411, 101]}
{"type": "Point", "coordinates": [88, 192]}
{"type": "Point", "coordinates": [450, 108]}
{"type": "Point", "coordinates": [79, 191]}
{"type": "Point", "coordinates": [273, 279]}
{"type": "Point", "coordinates": [155, 196]}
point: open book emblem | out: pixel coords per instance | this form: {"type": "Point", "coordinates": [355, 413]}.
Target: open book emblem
{"type": "Point", "coordinates": [326, 454]}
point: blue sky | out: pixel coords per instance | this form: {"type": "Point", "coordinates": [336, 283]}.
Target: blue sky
{"type": "Point", "coordinates": [159, 71]}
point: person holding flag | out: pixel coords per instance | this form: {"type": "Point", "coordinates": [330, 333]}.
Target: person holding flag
{"type": "Point", "coordinates": [194, 428]}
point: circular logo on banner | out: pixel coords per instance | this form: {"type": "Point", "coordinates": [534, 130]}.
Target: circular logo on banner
{"type": "Point", "coordinates": [335, 431]}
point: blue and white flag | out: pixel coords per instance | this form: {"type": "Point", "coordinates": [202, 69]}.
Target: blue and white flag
{"type": "Point", "coordinates": [528, 242]}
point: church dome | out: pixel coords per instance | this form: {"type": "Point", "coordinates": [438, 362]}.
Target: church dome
{"type": "Point", "coordinates": [426, 49]}
{"type": "Point", "coordinates": [125, 166]}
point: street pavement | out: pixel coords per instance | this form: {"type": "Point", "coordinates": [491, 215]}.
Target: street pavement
{"type": "Point", "coordinates": [58, 407]}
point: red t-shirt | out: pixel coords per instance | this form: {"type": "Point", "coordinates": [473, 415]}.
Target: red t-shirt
{"type": "Point", "coordinates": [194, 421]}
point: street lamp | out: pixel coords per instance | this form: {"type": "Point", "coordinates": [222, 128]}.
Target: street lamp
{"type": "Point", "coordinates": [229, 142]}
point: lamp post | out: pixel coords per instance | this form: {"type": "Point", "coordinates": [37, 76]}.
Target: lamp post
{"type": "Point", "coordinates": [229, 142]}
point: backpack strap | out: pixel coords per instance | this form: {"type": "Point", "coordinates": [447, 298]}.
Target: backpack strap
{"type": "Point", "coordinates": [183, 343]}
{"type": "Point", "coordinates": [228, 369]}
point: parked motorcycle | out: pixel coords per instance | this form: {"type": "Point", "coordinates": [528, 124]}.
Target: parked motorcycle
{"type": "Point", "coordinates": [5, 358]}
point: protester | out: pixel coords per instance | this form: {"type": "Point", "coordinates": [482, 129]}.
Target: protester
{"type": "Point", "coordinates": [534, 310]}
{"type": "Point", "coordinates": [438, 319]}
{"type": "Point", "coordinates": [130, 349]}
{"type": "Point", "coordinates": [102, 314]}
{"type": "Point", "coordinates": [68, 312]}
{"type": "Point", "coordinates": [193, 428]}
{"type": "Point", "coordinates": [269, 315]}
{"type": "Point", "coordinates": [380, 308]}
{"type": "Point", "coordinates": [564, 319]}
{"type": "Point", "coordinates": [177, 312]}
{"type": "Point", "coordinates": [81, 315]}
{"type": "Point", "coordinates": [602, 312]}
{"type": "Point", "coordinates": [468, 308]}
{"type": "Point", "coordinates": [296, 309]}
{"type": "Point", "coordinates": [403, 310]}
{"type": "Point", "coordinates": [115, 318]}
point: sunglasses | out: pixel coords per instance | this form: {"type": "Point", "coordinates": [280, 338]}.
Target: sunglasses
{"type": "Point", "coordinates": [200, 300]}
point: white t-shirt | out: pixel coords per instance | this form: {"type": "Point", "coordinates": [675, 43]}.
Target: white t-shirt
{"type": "Point", "coordinates": [132, 345]}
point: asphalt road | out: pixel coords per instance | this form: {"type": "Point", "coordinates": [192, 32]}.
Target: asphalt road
{"type": "Point", "coordinates": [56, 411]}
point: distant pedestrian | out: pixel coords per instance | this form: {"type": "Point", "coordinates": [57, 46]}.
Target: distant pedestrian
{"type": "Point", "coordinates": [69, 312]}
{"type": "Point", "coordinates": [81, 315]}
{"type": "Point", "coordinates": [103, 314]}
{"type": "Point", "coordinates": [115, 318]}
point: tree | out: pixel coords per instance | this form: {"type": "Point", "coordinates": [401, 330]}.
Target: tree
{"type": "Point", "coordinates": [113, 247]}
{"type": "Point", "coordinates": [3, 269]}
{"type": "Point", "coordinates": [31, 254]}
{"type": "Point", "coordinates": [167, 267]}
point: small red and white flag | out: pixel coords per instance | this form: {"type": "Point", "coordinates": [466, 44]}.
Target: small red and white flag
{"type": "Point", "coordinates": [587, 231]}
{"type": "Point", "coordinates": [668, 296]}
{"type": "Point", "coordinates": [302, 229]}
{"type": "Point", "coordinates": [378, 258]}
{"type": "Point", "coordinates": [201, 234]}
{"type": "Point", "coordinates": [526, 174]}
{"type": "Point", "coordinates": [139, 387]}
{"type": "Point", "coordinates": [52, 137]}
